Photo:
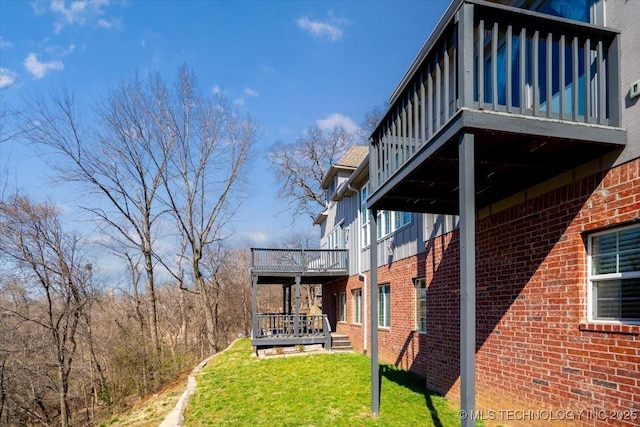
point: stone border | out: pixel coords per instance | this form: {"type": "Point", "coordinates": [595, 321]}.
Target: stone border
{"type": "Point", "coordinates": [176, 416]}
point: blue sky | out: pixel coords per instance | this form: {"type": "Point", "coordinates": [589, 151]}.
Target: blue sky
{"type": "Point", "coordinates": [291, 64]}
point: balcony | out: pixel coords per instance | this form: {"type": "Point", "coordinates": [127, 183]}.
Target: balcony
{"type": "Point", "coordinates": [291, 268]}
{"type": "Point", "coordinates": [313, 266]}
{"type": "Point", "coordinates": [540, 95]}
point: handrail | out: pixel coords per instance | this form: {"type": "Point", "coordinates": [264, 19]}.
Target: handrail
{"type": "Point", "coordinates": [298, 260]}
{"type": "Point", "coordinates": [492, 57]}
{"type": "Point", "coordinates": [284, 325]}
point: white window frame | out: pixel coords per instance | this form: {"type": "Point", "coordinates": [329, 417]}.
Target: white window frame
{"type": "Point", "coordinates": [342, 307]}
{"type": "Point", "coordinates": [420, 285]}
{"type": "Point", "coordinates": [384, 306]}
{"type": "Point", "coordinates": [333, 186]}
{"type": "Point", "coordinates": [388, 222]}
{"type": "Point", "coordinates": [594, 278]}
{"type": "Point", "coordinates": [364, 215]}
{"type": "Point", "coordinates": [335, 239]}
{"type": "Point", "coordinates": [356, 298]}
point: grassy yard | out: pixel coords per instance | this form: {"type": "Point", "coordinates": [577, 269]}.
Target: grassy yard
{"type": "Point", "coordinates": [237, 389]}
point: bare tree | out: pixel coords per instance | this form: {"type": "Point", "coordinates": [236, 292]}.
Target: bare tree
{"type": "Point", "coordinates": [122, 162]}
{"type": "Point", "coordinates": [300, 166]}
{"type": "Point", "coordinates": [209, 146]}
{"type": "Point", "coordinates": [371, 120]}
{"type": "Point", "coordinates": [32, 240]}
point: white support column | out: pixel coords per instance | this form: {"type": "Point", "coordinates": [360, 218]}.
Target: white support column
{"type": "Point", "coordinates": [373, 321]}
{"type": "Point", "coordinates": [467, 279]}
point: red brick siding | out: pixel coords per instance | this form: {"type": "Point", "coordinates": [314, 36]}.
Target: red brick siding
{"type": "Point", "coordinates": [535, 349]}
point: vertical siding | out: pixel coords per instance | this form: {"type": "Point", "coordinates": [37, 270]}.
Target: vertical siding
{"type": "Point", "coordinates": [436, 225]}
{"type": "Point", "coordinates": [625, 16]}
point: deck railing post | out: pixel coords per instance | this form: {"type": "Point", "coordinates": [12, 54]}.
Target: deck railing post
{"type": "Point", "coordinates": [296, 317]}
{"type": "Point", "coordinates": [254, 304]}
{"type": "Point", "coordinates": [465, 55]}
{"type": "Point", "coordinates": [614, 96]}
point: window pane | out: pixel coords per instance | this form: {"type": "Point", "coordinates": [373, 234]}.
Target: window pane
{"type": "Point", "coordinates": [357, 306]}
{"type": "Point", "coordinates": [629, 248]}
{"type": "Point", "coordinates": [618, 299]}
{"type": "Point", "coordinates": [383, 305]}
{"type": "Point", "coordinates": [630, 305]}
{"type": "Point", "coordinates": [571, 9]}
{"type": "Point", "coordinates": [608, 299]}
{"type": "Point", "coordinates": [421, 304]}
{"type": "Point", "coordinates": [604, 243]}
{"type": "Point", "coordinates": [387, 222]}
{"type": "Point", "coordinates": [406, 217]}
{"type": "Point", "coordinates": [604, 264]}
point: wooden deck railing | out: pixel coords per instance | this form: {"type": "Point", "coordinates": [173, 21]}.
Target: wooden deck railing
{"type": "Point", "coordinates": [298, 260]}
{"type": "Point", "coordinates": [290, 325]}
{"type": "Point", "coordinates": [487, 56]}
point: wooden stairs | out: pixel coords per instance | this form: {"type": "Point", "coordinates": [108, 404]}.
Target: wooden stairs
{"type": "Point", "coordinates": [340, 343]}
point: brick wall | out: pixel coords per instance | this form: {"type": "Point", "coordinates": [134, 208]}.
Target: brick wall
{"type": "Point", "coordinates": [535, 349]}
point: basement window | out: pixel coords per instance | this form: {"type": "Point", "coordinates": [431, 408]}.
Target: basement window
{"type": "Point", "coordinates": [614, 275]}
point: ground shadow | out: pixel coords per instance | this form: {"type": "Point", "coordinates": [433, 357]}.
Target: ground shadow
{"type": "Point", "coordinates": [415, 383]}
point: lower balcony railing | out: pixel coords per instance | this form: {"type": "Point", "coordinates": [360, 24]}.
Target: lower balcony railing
{"type": "Point", "coordinates": [290, 325]}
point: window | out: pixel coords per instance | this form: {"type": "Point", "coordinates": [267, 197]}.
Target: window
{"type": "Point", "coordinates": [335, 239]}
{"type": "Point", "coordinates": [384, 306]}
{"type": "Point", "coordinates": [364, 215]}
{"type": "Point", "coordinates": [400, 219]}
{"type": "Point", "coordinates": [384, 223]}
{"type": "Point", "coordinates": [332, 188]}
{"type": "Point", "coordinates": [343, 307]}
{"type": "Point", "coordinates": [614, 274]}
{"type": "Point", "coordinates": [357, 305]}
{"type": "Point", "coordinates": [388, 221]}
{"type": "Point", "coordinates": [421, 304]}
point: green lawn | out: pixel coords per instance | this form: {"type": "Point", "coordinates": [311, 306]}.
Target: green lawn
{"type": "Point", "coordinates": [237, 389]}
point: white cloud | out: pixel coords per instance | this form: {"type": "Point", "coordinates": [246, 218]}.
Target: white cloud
{"type": "Point", "coordinates": [331, 28]}
{"type": "Point", "coordinates": [216, 90]}
{"type": "Point", "coordinates": [38, 7]}
{"type": "Point", "coordinates": [60, 51]}
{"type": "Point", "coordinates": [5, 44]}
{"type": "Point", "coordinates": [337, 120]}
{"type": "Point", "coordinates": [250, 92]}
{"type": "Point", "coordinates": [7, 77]}
{"type": "Point", "coordinates": [110, 24]}
{"type": "Point", "coordinates": [40, 69]}
{"type": "Point", "coordinates": [78, 12]}
{"type": "Point", "coordinates": [239, 101]}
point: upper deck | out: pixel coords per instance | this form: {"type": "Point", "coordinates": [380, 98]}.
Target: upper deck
{"type": "Point", "coordinates": [313, 266]}
{"type": "Point", "coordinates": [540, 94]}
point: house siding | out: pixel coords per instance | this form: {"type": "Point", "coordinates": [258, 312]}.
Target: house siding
{"type": "Point", "coordinates": [536, 350]}
{"type": "Point", "coordinates": [625, 16]}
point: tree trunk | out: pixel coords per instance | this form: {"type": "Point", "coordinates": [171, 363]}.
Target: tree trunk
{"type": "Point", "coordinates": [208, 309]}
{"type": "Point", "coordinates": [62, 395]}
{"type": "Point", "coordinates": [151, 299]}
